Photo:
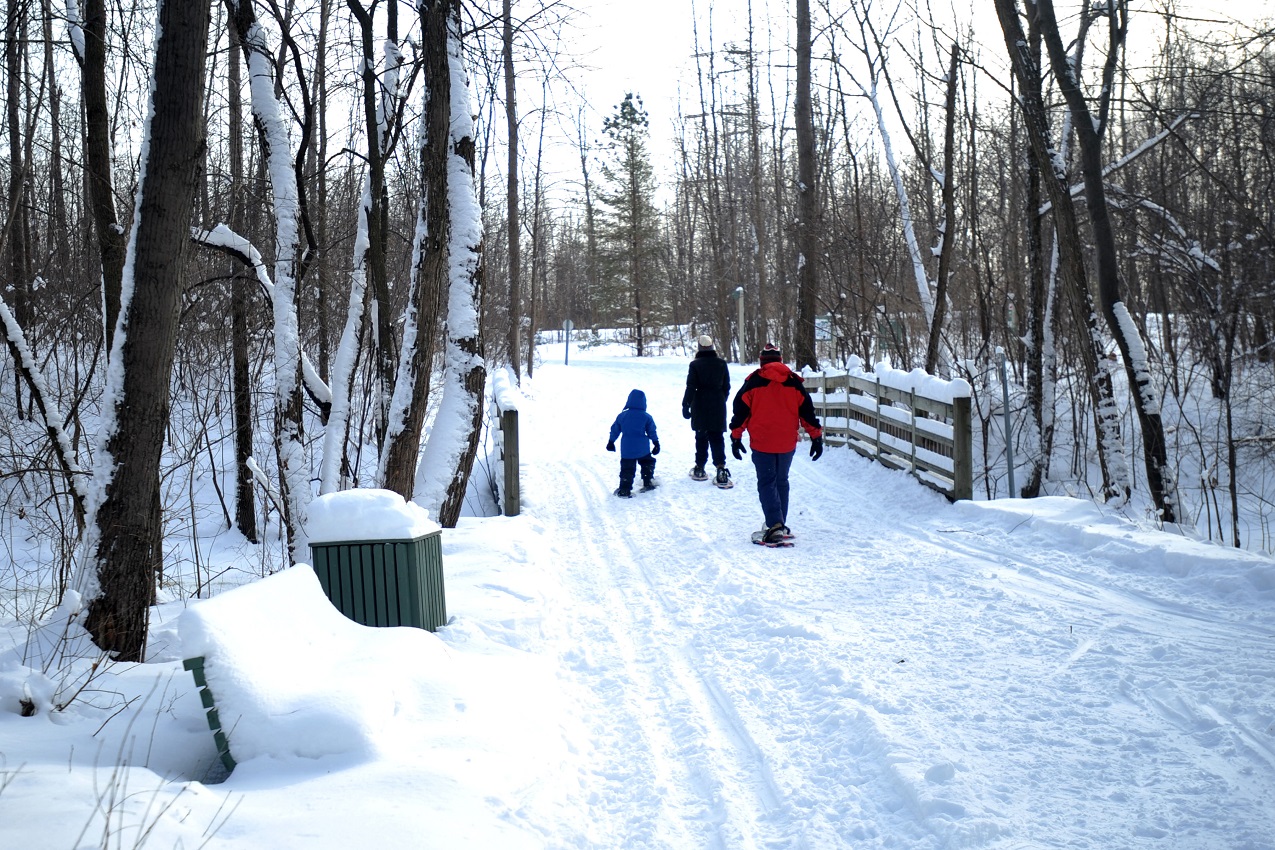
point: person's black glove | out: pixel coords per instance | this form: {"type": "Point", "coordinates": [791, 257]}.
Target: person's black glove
{"type": "Point", "coordinates": [816, 448]}
{"type": "Point", "coordinates": [686, 413]}
{"type": "Point", "coordinates": [656, 447]}
{"type": "Point", "coordinates": [611, 445]}
{"type": "Point", "coordinates": [737, 448]}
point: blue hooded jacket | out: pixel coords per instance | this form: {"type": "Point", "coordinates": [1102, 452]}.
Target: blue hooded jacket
{"type": "Point", "coordinates": [636, 425]}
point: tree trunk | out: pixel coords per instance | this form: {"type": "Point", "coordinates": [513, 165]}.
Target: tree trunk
{"type": "Point", "coordinates": [240, 298]}
{"type": "Point", "coordinates": [449, 454]}
{"type": "Point", "coordinates": [373, 258]}
{"type": "Point", "coordinates": [949, 220]}
{"type": "Point", "coordinates": [1133, 349]}
{"type": "Point", "coordinates": [430, 254]}
{"type": "Point", "coordinates": [19, 228]}
{"type": "Point", "coordinates": [289, 219]}
{"type": "Point", "coordinates": [804, 332]}
{"type": "Point", "coordinates": [511, 123]}
{"type": "Point", "coordinates": [128, 547]}
{"type": "Point", "coordinates": [97, 156]}
{"type": "Point", "coordinates": [1071, 257]}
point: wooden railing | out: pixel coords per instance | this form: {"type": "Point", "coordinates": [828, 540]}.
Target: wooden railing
{"type": "Point", "coordinates": [882, 415]}
{"type": "Point", "coordinates": [505, 395]}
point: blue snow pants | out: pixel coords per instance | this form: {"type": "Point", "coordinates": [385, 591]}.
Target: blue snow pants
{"type": "Point", "coordinates": [772, 485]}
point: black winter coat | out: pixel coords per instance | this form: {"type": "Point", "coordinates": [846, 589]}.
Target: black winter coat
{"type": "Point", "coordinates": [707, 388]}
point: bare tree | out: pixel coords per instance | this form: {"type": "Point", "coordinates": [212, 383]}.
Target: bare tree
{"type": "Point", "coordinates": [807, 203]}
{"type": "Point", "coordinates": [1071, 256]}
{"type": "Point", "coordinates": [1088, 127]}
{"type": "Point", "coordinates": [97, 153]}
{"type": "Point", "coordinates": [125, 545]}
{"type": "Point", "coordinates": [513, 227]}
{"type": "Point", "coordinates": [240, 297]}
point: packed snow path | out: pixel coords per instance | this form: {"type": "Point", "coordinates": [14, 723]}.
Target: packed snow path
{"type": "Point", "coordinates": [911, 674]}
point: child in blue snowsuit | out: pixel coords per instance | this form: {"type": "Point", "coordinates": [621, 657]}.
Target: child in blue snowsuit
{"type": "Point", "coordinates": [638, 445]}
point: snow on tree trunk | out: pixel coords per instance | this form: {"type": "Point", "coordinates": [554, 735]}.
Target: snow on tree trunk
{"type": "Point", "coordinates": [1115, 474]}
{"type": "Point", "coordinates": [293, 477]}
{"type": "Point", "coordinates": [333, 465]}
{"type": "Point", "coordinates": [905, 207]}
{"type": "Point", "coordinates": [444, 470]}
{"type": "Point", "coordinates": [28, 367]}
{"type": "Point", "coordinates": [123, 543]}
{"type": "Point", "coordinates": [401, 455]}
{"type": "Point", "coordinates": [1128, 339]}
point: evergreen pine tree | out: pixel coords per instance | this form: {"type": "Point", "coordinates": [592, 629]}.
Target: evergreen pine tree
{"type": "Point", "coordinates": [628, 232]}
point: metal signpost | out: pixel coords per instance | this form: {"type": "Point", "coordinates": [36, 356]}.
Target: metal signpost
{"type": "Point", "coordinates": [738, 295]}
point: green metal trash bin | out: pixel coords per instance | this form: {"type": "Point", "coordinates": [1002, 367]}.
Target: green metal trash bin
{"type": "Point", "coordinates": [385, 582]}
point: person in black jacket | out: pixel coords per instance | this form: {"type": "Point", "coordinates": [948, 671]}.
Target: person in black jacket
{"type": "Point", "coordinates": [704, 403]}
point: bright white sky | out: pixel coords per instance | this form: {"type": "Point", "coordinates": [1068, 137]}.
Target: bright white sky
{"type": "Point", "coordinates": [648, 48]}
{"type": "Point", "coordinates": [635, 674]}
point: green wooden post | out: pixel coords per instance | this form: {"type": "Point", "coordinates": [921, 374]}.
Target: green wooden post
{"type": "Point", "coordinates": [509, 443]}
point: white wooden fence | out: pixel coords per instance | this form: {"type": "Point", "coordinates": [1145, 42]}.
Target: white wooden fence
{"type": "Point", "coordinates": [907, 420]}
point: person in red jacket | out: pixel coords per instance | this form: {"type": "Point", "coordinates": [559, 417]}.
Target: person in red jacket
{"type": "Point", "coordinates": [770, 405]}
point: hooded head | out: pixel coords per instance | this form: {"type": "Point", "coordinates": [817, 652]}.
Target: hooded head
{"type": "Point", "coordinates": [706, 343]}
{"type": "Point", "coordinates": [637, 401]}
{"type": "Point", "coordinates": [770, 353]}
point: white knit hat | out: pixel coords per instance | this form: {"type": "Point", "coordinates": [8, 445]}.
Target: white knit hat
{"type": "Point", "coordinates": [705, 342]}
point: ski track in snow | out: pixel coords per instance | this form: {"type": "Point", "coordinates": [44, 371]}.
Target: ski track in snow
{"type": "Point", "coordinates": [906, 676]}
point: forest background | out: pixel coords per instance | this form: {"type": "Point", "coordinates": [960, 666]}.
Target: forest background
{"type": "Point", "coordinates": [1085, 191]}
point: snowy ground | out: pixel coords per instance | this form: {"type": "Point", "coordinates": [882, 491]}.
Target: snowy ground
{"type": "Point", "coordinates": [636, 674]}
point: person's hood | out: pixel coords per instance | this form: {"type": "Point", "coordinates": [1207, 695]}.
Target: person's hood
{"type": "Point", "coordinates": [775, 372]}
{"type": "Point", "coordinates": [637, 401]}
{"type": "Point", "coordinates": [706, 352]}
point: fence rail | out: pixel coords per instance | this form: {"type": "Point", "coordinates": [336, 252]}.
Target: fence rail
{"type": "Point", "coordinates": [883, 416]}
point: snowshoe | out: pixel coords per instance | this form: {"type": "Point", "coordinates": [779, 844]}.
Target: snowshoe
{"type": "Point", "coordinates": [772, 537]}
{"type": "Point", "coordinates": [723, 479]}
{"type": "Point", "coordinates": [624, 493]}
{"type": "Point", "coordinates": [698, 474]}
{"type": "Point", "coordinates": [648, 484]}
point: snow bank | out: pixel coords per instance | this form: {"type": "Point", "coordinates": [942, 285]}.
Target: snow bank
{"type": "Point", "coordinates": [293, 678]}
{"type": "Point", "coordinates": [366, 514]}
{"type": "Point", "coordinates": [504, 389]}
{"type": "Point", "coordinates": [1202, 568]}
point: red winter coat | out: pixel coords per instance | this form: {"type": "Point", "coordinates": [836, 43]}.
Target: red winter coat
{"type": "Point", "coordinates": [770, 405]}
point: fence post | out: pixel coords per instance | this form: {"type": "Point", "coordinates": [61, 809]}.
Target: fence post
{"type": "Point", "coordinates": [962, 449]}
{"type": "Point", "coordinates": [912, 436]}
{"type": "Point", "coordinates": [509, 444]}
{"type": "Point", "coordinates": [877, 398]}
